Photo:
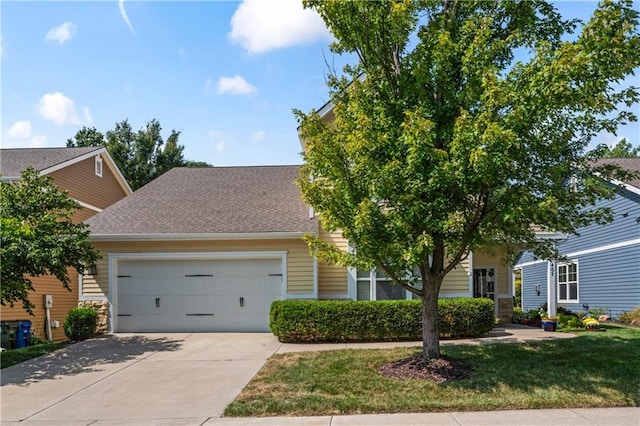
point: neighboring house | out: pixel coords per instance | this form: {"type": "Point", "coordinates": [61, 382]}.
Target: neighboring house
{"type": "Point", "coordinates": [210, 249]}
{"type": "Point", "coordinates": [602, 266]}
{"type": "Point", "coordinates": [90, 177]}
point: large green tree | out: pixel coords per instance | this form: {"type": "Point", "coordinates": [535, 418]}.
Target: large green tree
{"type": "Point", "coordinates": [141, 156]}
{"type": "Point", "coordinates": [461, 125]}
{"type": "Point", "coordinates": [38, 236]}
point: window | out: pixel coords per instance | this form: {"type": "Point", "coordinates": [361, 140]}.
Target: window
{"type": "Point", "coordinates": [98, 166]}
{"type": "Point", "coordinates": [375, 285]}
{"type": "Point", "coordinates": [568, 282]}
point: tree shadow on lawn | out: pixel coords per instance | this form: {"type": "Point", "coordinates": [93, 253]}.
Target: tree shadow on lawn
{"type": "Point", "coordinates": [584, 365]}
{"type": "Point", "coordinates": [86, 356]}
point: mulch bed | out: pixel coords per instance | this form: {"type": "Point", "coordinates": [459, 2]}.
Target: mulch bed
{"type": "Point", "coordinates": [439, 370]}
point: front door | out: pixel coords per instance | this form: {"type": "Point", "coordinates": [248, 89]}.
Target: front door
{"type": "Point", "coordinates": [484, 283]}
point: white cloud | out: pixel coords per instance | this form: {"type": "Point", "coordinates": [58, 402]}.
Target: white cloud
{"type": "Point", "coordinates": [125, 17]}
{"type": "Point", "coordinates": [220, 146]}
{"type": "Point", "coordinates": [260, 26]}
{"type": "Point", "coordinates": [258, 135]}
{"type": "Point", "coordinates": [58, 108]}
{"type": "Point", "coordinates": [20, 129]}
{"type": "Point", "coordinates": [235, 86]}
{"type": "Point", "coordinates": [62, 33]}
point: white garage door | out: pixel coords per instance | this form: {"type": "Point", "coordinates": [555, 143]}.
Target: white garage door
{"type": "Point", "coordinates": [197, 295]}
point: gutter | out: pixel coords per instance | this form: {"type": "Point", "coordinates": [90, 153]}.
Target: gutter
{"type": "Point", "coordinates": [199, 237]}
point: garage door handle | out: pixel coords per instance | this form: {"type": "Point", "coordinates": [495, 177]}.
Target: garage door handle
{"type": "Point", "coordinates": [242, 302]}
{"type": "Point", "coordinates": [157, 302]}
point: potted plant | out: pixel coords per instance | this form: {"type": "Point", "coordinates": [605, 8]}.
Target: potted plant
{"type": "Point", "coordinates": [548, 323]}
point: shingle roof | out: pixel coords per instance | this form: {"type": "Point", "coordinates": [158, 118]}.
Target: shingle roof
{"type": "Point", "coordinates": [631, 164]}
{"type": "Point", "coordinates": [214, 200]}
{"type": "Point", "coordinates": [14, 160]}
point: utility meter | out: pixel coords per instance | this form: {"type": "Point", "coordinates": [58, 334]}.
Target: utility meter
{"type": "Point", "coordinates": [48, 301]}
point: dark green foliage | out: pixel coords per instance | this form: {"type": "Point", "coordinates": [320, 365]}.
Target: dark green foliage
{"type": "Point", "coordinates": [344, 321]}
{"type": "Point", "coordinates": [16, 356]}
{"type": "Point", "coordinates": [80, 323]}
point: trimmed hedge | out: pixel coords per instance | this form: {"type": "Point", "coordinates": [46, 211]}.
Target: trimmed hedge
{"type": "Point", "coordinates": [371, 321]}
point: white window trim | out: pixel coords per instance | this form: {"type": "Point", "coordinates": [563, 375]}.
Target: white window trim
{"type": "Point", "coordinates": [98, 166]}
{"type": "Point", "coordinates": [573, 262]}
{"type": "Point", "coordinates": [372, 279]}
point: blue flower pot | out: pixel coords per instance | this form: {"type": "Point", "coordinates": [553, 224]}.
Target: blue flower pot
{"type": "Point", "coordinates": [549, 325]}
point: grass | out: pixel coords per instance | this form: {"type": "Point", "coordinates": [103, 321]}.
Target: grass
{"type": "Point", "coordinates": [598, 369]}
{"type": "Point", "coordinates": [16, 356]}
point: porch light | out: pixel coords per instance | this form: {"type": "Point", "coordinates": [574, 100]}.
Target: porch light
{"type": "Point", "coordinates": [91, 269]}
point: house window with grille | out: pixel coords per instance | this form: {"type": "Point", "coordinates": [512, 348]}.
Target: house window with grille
{"type": "Point", "coordinates": [98, 166]}
{"type": "Point", "coordinates": [568, 282]}
{"type": "Point", "coordinates": [375, 285]}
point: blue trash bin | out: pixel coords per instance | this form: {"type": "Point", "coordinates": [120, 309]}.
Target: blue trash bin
{"type": "Point", "coordinates": [23, 335]}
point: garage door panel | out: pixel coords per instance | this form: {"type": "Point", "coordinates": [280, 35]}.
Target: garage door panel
{"type": "Point", "coordinates": [170, 323]}
{"type": "Point", "coordinates": [231, 268]}
{"type": "Point", "coordinates": [157, 296]}
{"type": "Point", "coordinates": [167, 286]}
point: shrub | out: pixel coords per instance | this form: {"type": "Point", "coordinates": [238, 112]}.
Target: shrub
{"type": "Point", "coordinates": [518, 315]}
{"type": "Point", "coordinates": [632, 318]}
{"type": "Point", "coordinates": [569, 321]}
{"type": "Point", "coordinates": [343, 321]}
{"type": "Point", "coordinates": [80, 323]}
{"type": "Point", "coordinates": [533, 315]}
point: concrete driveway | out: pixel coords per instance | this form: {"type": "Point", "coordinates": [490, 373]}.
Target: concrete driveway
{"type": "Point", "coordinates": [155, 378]}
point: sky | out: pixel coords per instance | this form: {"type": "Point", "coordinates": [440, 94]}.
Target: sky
{"type": "Point", "coordinates": [225, 74]}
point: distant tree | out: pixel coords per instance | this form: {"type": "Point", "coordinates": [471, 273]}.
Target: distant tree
{"type": "Point", "coordinates": [87, 136]}
{"type": "Point", "coordinates": [141, 156]}
{"type": "Point", "coordinates": [622, 149]}
{"type": "Point", "coordinates": [451, 144]}
{"type": "Point", "coordinates": [38, 236]}
{"type": "Point", "coordinates": [197, 164]}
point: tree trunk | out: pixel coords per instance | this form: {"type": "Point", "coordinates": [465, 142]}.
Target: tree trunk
{"type": "Point", "coordinates": [430, 332]}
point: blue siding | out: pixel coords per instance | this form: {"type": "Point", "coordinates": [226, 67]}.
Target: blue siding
{"type": "Point", "coordinates": [525, 257]}
{"type": "Point", "coordinates": [532, 275]}
{"type": "Point", "coordinates": [608, 278]}
{"type": "Point", "coordinates": [625, 208]}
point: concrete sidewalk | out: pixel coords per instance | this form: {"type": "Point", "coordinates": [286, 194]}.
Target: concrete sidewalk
{"type": "Point", "coordinates": [628, 416]}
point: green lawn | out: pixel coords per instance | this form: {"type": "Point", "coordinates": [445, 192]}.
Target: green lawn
{"type": "Point", "coordinates": [17, 356]}
{"type": "Point", "coordinates": [596, 369]}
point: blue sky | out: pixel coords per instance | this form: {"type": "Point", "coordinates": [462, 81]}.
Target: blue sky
{"type": "Point", "coordinates": [225, 74]}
